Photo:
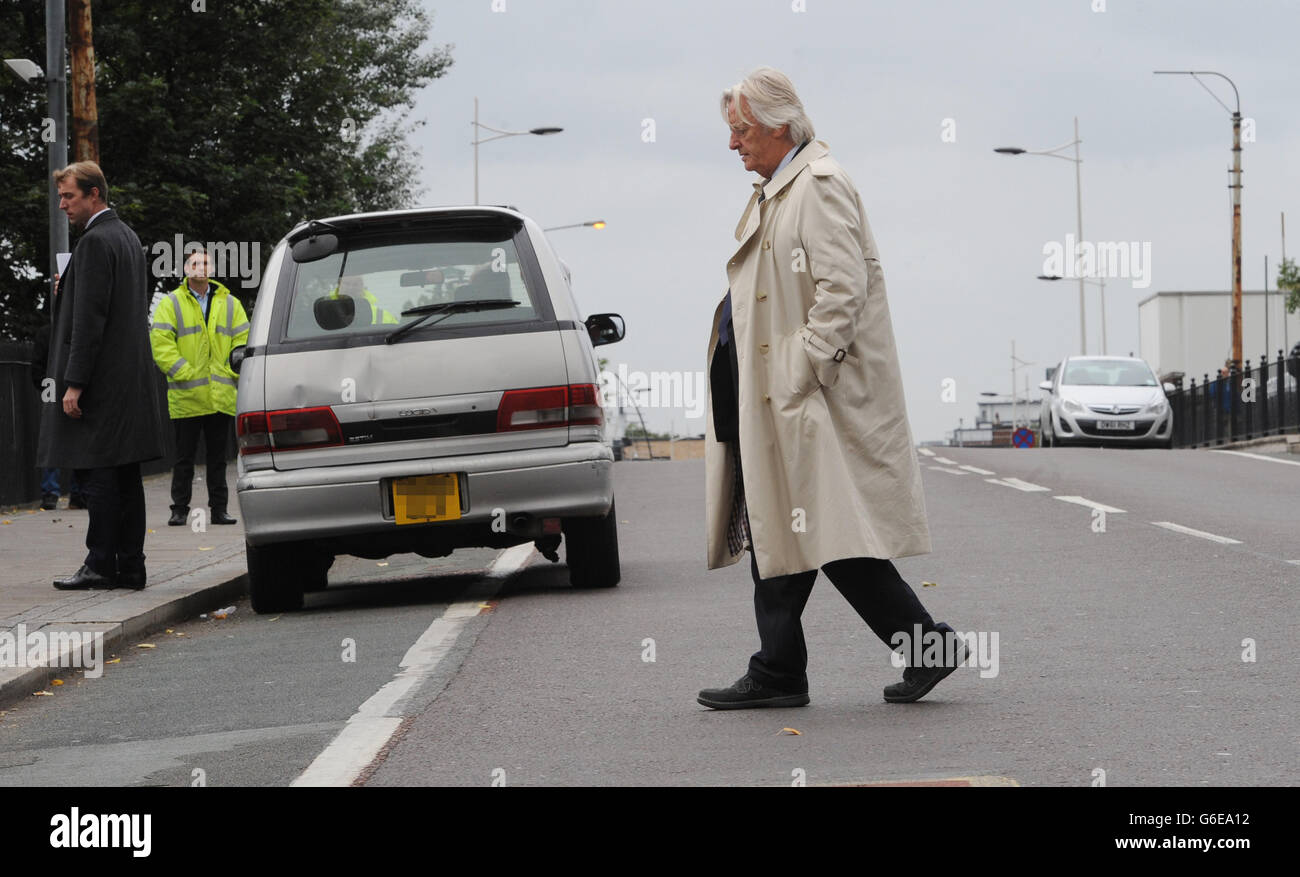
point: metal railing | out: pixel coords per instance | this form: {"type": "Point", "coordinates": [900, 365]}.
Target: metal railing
{"type": "Point", "coordinates": [1255, 402]}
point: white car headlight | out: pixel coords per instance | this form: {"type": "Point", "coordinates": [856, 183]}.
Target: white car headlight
{"type": "Point", "coordinates": [1072, 406]}
{"type": "Point", "coordinates": [1157, 407]}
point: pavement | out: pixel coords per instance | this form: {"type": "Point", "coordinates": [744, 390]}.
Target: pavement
{"type": "Point", "coordinates": [190, 570]}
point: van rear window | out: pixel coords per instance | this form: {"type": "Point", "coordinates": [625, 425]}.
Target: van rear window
{"type": "Point", "coordinates": [383, 279]}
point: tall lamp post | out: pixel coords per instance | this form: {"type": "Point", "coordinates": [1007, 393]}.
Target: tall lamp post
{"type": "Point", "coordinates": [57, 107]}
{"type": "Point", "coordinates": [1078, 200]}
{"type": "Point", "coordinates": [1235, 186]}
{"type": "Point", "coordinates": [498, 135]}
{"type": "Point", "coordinates": [1101, 283]}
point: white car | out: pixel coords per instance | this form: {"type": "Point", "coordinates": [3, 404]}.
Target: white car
{"type": "Point", "coordinates": [1112, 400]}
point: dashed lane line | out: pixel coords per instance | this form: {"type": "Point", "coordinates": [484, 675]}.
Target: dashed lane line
{"type": "Point", "coordinates": [977, 470]}
{"type": "Point", "coordinates": [1261, 457]}
{"type": "Point", "coordinates": [1078, 500]}
{"type": "Point", "coordinates": [1179, 528]}
{"type": "Point", "coordinates": [1017, 484]}
{"type": "Point", "coordinates": [950, 470]}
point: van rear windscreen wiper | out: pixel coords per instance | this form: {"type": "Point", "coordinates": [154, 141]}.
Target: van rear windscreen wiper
{"type": "Point", "coordinates": [447, 309]}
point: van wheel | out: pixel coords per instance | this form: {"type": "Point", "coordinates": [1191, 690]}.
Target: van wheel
{"type": "Point", "coordinates": [315, 570]}
{"type": "Point", "coordinates": [591, 549]}
{"type": "Point", "coordinates": [274, 577]}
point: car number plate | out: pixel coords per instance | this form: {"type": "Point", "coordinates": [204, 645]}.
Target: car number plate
{"type": "Point", "coordinates": [1116, 424]}
{"type": "Point", "coordinates": [426, 498]}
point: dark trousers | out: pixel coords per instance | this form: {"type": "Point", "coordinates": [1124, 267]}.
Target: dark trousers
{"type": "Point", "coordinates": [115, 508]}
{"type": "Point", "coordinates": [873, 588]}
{"type": "Point", "coordinates": [214, 428]}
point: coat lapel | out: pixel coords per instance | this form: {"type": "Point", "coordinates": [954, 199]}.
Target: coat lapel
{"type": "Point", "coordinates": [752, 218]}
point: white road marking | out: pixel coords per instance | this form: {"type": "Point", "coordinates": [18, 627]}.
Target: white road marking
{"type": "Point", "coordinates": [376, 720]}
{"type": "Point", "coordinates": [1261, 457]}
{"type": "Point", "coordinates": [977, 470]}
{"type": "Point", "coordinates": [1179, 528]}
{"type": "Point", "coordinates": [1078, 500]}
{"type": "Point", "coordinates": [1017, 484]}
{"type": "Point", "coordinates": [926, 451]}
{"type": "Point", "coordinates": [945, 461]}
{"type": "Point", "coordinates": [949, 470]}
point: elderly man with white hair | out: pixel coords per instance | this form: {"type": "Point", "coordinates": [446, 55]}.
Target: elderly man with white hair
{"type": "Point", "coordinates": [809, 455]}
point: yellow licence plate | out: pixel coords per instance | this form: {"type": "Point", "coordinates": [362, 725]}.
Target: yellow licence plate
{"type": "Point", "coordinates": [426, 498]}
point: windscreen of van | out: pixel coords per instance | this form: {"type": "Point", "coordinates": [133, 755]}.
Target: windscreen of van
{"type": "Point", "coordinates": [384, 278]}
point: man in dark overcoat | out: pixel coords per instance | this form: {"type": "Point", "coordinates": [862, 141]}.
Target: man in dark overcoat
{"type": "Point", "coordinates": [105, 419]}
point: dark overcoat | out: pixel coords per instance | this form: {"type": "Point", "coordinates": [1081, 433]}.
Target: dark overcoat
{"type": "Point", "coordinates": [100, 341]}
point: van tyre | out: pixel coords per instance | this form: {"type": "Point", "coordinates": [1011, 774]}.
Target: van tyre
{"type": "Point", "coordinates": [591, 549]}
{"type": "Point", "coordinates": [275, 579]}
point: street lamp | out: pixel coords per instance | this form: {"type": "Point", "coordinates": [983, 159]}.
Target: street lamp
{"type": "Point", "coordinates": [1235, 186]}
{"type": "Point", "coordinates": [1101, 283]}
{"type": "Point", "coordinates": [56, 101]}
{"type": "Point", "coordinates": [1078, 198]}
{"type": "Point", "coordinates": [595, 223]}
{"type": "Point", "coordinates": [499, 135]}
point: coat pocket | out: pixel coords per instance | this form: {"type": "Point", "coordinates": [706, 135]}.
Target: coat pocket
{"type": "Point", "coordinates": [799, 377]}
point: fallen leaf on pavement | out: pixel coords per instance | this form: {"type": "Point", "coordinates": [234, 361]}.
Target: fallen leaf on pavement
{"type": "Point", "coordinates": [929, 584]}
{"type": "Point", "coordinates": [382, 563]}
{"type": "Point", "coordinates": [205, 548]}
{"type": "Point", "coordinates": [42, 694]}
{"type": "Point", "coordinates": [56, 681]}
{"type": "Point", "coordinates": [145, 646]}
{"type": "Point", "coordinates": [114, 661]}
{"type": "Point", "coordinates": [792, 731]}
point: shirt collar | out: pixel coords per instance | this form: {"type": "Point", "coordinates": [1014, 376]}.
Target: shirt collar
{"type": "Point", "coordinates": [96, 216]}
{"type": "Point", "coordinates": [789, 156]}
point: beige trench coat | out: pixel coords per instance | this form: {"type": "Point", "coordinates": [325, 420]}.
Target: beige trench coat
{"type": "Point", "coordinates": [829, 467]}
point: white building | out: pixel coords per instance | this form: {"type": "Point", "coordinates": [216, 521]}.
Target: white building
{"type": "Point", "coordinates": [1191, 332]}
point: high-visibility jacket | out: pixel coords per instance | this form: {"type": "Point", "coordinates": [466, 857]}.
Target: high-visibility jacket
{"type": "Point", "coordinates": [378, 314]}
{"type": "Point", "coordinates": [194, 355]}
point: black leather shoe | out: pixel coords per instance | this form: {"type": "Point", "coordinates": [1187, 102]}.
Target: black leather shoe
{"type": "Point", "coordinates": [76, 501]}
{"type": "Point", "coordinates": [178, 519]}
{"type": "Point", "coordinates": [917, 681]}
{"type": "Point", "coordinates": [83, 580]}
{"type": "Point", "coordinates": [746, 693]}
{"type": "Point", "coordinates": [133, 579]}
{"type": "Point", "coordinates": [222, 518]}
{"type": "Point", "coordinates": [49, 501]}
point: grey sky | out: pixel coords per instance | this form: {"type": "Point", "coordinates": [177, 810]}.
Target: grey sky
{"type": "Point", "coordinates": [961, 230]}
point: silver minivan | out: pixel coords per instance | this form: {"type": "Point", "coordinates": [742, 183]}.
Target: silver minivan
{"type": "Point", "coordinates": [420, 381]}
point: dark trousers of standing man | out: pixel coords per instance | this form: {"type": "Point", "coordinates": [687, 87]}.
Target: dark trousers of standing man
{"type": "Point", "coordinates": [115, 508]}
{"type": "Point", "coordinates": [213, 428]}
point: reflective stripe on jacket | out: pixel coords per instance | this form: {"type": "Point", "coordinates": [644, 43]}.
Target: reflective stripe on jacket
{"type": "Point", "coordinates": [196, 357]}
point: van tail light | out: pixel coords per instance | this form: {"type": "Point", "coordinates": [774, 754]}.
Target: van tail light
{"type": "Point", "coordinates": [550, 408]}
{"type": "Point", "coordinates": [293, 429]}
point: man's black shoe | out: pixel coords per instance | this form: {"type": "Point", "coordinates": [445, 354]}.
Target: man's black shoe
{"type": "Point", "coordinates": [178, 518]}
{"type": "Point", "coordinates": [76, 501]}
{"type": "Point", "coordinates": [917, 681]}
{"type": "Point", "coordinates": [746, 693]}
{"type": "Point", "coordinates": [133, 580]}
{"type": "Point", "coordinates": [222, 518]}
{"type": "Point", "coordinates": [49, 501]}
{"type": "Point", "coordinates": [83, 580]}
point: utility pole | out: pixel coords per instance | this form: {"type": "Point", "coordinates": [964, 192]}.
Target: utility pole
{"type": "Point", "coordinates": [56, 95]}
{"type": "Point", "coordinates": [85, 113]}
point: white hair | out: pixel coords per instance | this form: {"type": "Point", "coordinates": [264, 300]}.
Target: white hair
{"type": "Point", "coordinates": [772, 100]}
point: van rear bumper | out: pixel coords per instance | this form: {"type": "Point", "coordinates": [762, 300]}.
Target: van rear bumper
{"type": "Point", "coordinates": [332, 501]}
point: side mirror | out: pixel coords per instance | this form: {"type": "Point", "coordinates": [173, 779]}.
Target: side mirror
{"type": "Point", "coordinates": [1169, 388]}
{"type": "Point", "coordinates": [1045, 385]}
{"type": "Point", "coordinates": [335, 313]}
{"type": "Point", "coordinates": [237, 357]}
{"type": "Point", "coordinates": [605, 329]}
